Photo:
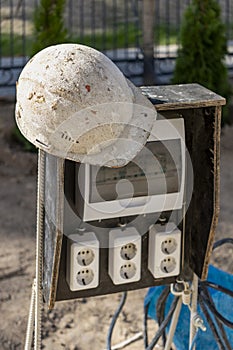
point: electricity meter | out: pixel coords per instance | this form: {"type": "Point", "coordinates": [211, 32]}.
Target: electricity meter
{"type": "Point", "coordinates": [152, 182]}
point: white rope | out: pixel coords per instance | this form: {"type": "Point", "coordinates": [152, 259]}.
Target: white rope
{"type": "Point", "coordinates": [31, 319]}
{"type": "Point", "coordinates": [39, 248]}
{"type": "Point", "coordinates": [36, 297]}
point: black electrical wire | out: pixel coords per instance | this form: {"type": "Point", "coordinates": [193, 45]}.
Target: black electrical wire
{"type": "Point", "coordinates": [145, 332]}
{"type": "Point", "coordinates": [163, 324]}
{"type": "Point", "coordinates": [211, 323]}
{"type": "Point", "coordinates": [222, 241]}
{"type": "Point", "coordinates": [213, 317]}
{"type": "Point", "coordinates": [209, 301]}
{"type": "Point", "coordinates": [160, 309]}
{"type": "Point", "coordinates": [160, 312]}
{"type": "Point", "coordinates": [223, 333]}
{"type": "Point", "coordinates": [219, 333]}
{"type": "Point", "coordinates": [204, 293]}
{"type": "Point", "coordinates": [218, 322]}
{"type": "Point", "coordinates": [114, 319]}
{"type": "Point", "coordinates": [218, 287]}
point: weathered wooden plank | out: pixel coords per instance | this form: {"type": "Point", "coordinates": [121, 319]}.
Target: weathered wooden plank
{"type": "Point", "coordinates": [53, 225]}
{"type": "Point", "coordinates": [171, 97]}
{"type": "Point", "coordinates": [202, 211]}
{"type": "Point", "coordinates": [216, 190]}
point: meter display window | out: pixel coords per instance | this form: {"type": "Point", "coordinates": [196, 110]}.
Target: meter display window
{"type": "Point", "coordinates": [155, 170]}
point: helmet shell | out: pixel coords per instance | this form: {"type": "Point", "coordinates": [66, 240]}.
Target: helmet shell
{"type": "Point", "coordinates": [73, 102]}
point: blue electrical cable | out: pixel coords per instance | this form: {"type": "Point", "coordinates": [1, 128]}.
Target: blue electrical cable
{"type": "Point", "coordinates": [163, 325]}
{"type": "Point", "coordinates": [114, 319]}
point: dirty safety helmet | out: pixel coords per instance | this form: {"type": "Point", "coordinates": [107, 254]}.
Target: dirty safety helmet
{"type": "Point", "coordinates": [73, 102]}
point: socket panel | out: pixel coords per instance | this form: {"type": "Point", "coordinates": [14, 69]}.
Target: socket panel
{"type": "Point", "coordinates": [124, 259]}
{"type": "Point", "coordinates": [82, 261]}
{"type": "Point", "coordinates": [164, 256]}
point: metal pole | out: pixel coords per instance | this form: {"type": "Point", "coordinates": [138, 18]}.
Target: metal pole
{"type": "Point", "coordinates": [173, 325]}
{"type": "Point", "coordinates": [148, 24]}
{"type": "Point", "coordinates": [193, 328]}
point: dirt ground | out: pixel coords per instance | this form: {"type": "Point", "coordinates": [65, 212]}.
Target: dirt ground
{"type": "Point", "coordinates": [81, 324]}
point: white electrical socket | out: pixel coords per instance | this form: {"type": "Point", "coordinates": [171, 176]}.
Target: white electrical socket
{"type": "Point", "coordinates": [164, 250]}
{"type": "Point", "coordinates": [82, 261]}
{"type": "Point", "coordinates": [169, 245]}
{"type": "Point", "coordinates": [124, 259]}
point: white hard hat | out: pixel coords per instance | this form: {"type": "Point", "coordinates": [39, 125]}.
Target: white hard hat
{"type": "Point", "coordinates": [73, 102]}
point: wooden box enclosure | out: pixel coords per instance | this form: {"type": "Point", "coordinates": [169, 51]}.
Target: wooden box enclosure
{"type": "Point", "coordinates": [201, 111]}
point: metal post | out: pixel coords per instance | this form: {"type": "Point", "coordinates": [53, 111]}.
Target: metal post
{"type": "Point", "coordinates": [193, 328]}
{"type": "Point", "coordinates": [148, 24]}
{"type": "Point", "coordinates": [173, 325]}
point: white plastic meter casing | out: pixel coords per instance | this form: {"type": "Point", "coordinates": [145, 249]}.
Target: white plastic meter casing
{"type": "Point", "coordinates": [92, 205]}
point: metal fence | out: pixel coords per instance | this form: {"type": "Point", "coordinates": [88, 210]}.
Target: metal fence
{"type": "Point", "coordinates": [112, 26]}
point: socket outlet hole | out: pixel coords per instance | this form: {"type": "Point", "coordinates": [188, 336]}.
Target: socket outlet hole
{"type": "Point", "coordinates": [169, 245]}
{"type": "Point", "coordinates": [128, 270]}
{"type": "Point", "coordinates": [168, 265]}
{"type": "Point", "coordinates": [85, 257]}
{"type": "Point", "coordinates": [128, 251]}
{"type": "Point", "coordinates": [85, 277]}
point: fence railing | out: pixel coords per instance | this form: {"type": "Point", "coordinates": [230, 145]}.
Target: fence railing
{"type": "Point", "coordinates": [112, 26]}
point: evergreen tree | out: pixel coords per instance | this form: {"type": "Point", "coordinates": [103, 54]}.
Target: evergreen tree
{"type": "Point", "coordinates": [49, 24]}
{"type": "Point", "coordinates": [203, 49]}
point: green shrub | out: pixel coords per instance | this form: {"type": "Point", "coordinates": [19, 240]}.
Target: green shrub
{"type": "Point", "coordinates": [203, 49]}
{"type": "Point", "coordinates": [18, 138]}
{"type": "Point", "coordinates": [49, 24]}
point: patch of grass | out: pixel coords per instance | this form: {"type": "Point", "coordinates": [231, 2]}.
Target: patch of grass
{"type": "Point", "coordinates": [15, 45]}
{"type": "Point", "coordinates": [166, 35]}
{"type": "Point", "coordinates": [123, 37]}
